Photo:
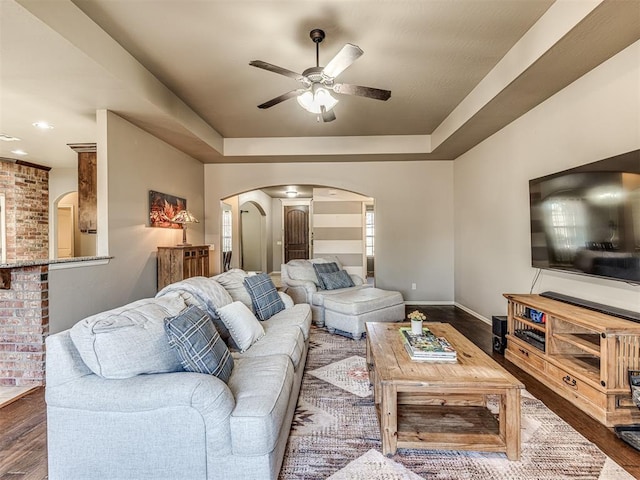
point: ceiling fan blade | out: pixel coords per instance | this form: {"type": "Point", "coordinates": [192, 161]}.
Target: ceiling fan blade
{"type": "Point", "coordinates": [327, 116]}
{"type": "Point", "coordinates": [276, 69]}
{"type": "Point", "coordinates": [369, 92]}
{"type": "Point", "coordinates": [343, 59]}
{"type": "Point", "coordinates": [281, 98]}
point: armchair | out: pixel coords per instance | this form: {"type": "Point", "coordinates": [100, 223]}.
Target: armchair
{"type": "Point", "coordinates": [301, 283]}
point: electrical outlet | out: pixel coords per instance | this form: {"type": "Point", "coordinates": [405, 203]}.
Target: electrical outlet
{"type": "Point", "coordinates": [413, 286]}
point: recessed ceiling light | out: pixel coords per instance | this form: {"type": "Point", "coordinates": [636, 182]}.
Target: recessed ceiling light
{"type": "Point", "coordinates": [8, 138]}
{"type": "Point", "coordinates": [42, 125]}
{"type": "Point", "coordinates": [19, 152]}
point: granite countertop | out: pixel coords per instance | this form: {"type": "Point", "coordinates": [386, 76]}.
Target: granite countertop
{"type": "Point", "coordinates": [51, 261]}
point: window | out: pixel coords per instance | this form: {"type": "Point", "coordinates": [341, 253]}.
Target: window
{"type": "Point", "coordinates": [226, 231]}
{"type": "Point", "coordinates": [369, 231]}
{"type": "Point", "coordinates": [568, 226]}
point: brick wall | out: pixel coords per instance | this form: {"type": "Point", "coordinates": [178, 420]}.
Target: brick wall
{"type": "Point", "coordinates": [26, 190]}
{"type": "Point", "coordinates": [24, 324]}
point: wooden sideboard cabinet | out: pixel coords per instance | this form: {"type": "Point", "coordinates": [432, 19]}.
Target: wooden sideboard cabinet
{"type": "Point", "coordinates": [580, 354]}
{"type": "Point", "coordinates": [178, 263]}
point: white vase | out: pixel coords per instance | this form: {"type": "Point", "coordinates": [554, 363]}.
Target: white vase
{"type": "Point", "coordinates": [416, 327]}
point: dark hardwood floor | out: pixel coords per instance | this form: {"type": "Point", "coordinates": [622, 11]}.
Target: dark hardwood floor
{"type": "Point", "coordinates": [23, 452]}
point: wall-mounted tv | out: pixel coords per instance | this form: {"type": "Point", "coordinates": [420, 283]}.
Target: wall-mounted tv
{"type": "Point", "coordinates": [586, 220]}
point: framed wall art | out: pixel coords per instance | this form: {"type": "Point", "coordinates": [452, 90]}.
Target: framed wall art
{"type": "Point", "coordinates": [163, 207]}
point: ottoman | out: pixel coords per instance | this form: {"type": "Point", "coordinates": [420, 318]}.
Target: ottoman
{"type": "Point", "coordinates": [346, 313]}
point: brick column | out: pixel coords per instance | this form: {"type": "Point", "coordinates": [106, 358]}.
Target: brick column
{"type": "Point", "coordinates": [24, 324]}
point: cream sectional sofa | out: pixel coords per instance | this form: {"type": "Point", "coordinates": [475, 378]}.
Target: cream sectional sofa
{"type": "Point", "coordinates": [119, 405]}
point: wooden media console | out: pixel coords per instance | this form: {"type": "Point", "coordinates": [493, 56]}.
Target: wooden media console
{"type": "Point", "coordinates": [583, 355]}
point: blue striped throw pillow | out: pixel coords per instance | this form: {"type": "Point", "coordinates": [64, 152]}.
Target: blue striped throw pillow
{"type": "Point", "coordinates": [322, 268]}
{"type": "Point", "coordinates": [264, 295]}
{"type": "Point", "coordinates": [334, 280]}
{"type": "Point", "coordinates": [197, 343]}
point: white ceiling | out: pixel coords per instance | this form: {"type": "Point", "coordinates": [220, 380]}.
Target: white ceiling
{"type": "Point", "coordinates": [458, 71]}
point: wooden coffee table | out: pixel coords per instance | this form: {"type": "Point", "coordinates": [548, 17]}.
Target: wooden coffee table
{"type": "Point", "coordinates": [441, 405]}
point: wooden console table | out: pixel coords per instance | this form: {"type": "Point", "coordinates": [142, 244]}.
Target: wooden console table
{"type": "Point", "coordinates": [180, 262]}
{"type": "Point", "coordinates": [580, 354]}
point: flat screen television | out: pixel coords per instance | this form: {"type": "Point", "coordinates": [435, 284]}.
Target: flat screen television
{"type": "Point", "coordinates": [586, 220]}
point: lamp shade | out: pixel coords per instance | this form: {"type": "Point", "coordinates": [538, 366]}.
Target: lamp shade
{"type": "Point", "coordinates": [183, 217]}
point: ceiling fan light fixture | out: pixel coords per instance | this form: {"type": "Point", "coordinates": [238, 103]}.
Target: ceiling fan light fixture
{"type": "Point", "coordinates": [312, 100]}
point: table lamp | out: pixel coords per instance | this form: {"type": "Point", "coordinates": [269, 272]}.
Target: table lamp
{"type": "Point", "coordinates": [183, 217]}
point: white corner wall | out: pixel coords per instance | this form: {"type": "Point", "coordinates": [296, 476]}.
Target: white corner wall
{"type": "Point", "coordinates": [414, 214]}
{"type": "Point", "coordinates": [135, 163]}
{"type": "Point", "coordinates": [596, 117]}
{"type": "Point", "coordinates": [265, 202]}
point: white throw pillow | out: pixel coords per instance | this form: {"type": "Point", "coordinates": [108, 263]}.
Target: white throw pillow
{"type": "Point", "coordinates": [244, 327]}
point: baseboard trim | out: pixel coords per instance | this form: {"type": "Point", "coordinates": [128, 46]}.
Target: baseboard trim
{"type": "Point", "coordinates": [471, 312]}
{"type": "Point", "coordinates": [429, 302]}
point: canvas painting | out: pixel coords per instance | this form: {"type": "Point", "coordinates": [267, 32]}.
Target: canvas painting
{"type": "Point", "coordinates": [163, 207]}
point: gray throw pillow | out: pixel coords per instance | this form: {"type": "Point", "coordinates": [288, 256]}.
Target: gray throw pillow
{"type": "Point", "coordinates": [321, 268]}
{"type": "Point", "coordinates": [339, 279]}
{"type": "Point", "coordinates": [197, 343]}
{"type": "Point", "coordinates": [264, 296]}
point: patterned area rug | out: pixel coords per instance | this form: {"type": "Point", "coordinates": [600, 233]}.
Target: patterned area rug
{"type": "Point", "coordinates": [335, 433]}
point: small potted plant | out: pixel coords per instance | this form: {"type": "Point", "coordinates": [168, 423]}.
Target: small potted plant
{"type": "Point", "coordinates": [417, 318]}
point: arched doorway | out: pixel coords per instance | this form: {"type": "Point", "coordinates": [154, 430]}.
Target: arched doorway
{"type": "Point", "coordinates": [253, 237]}
{"type": "Point", "coordinates": [69, 241]}
{"type": "Point", "coordinates": [338, 222]}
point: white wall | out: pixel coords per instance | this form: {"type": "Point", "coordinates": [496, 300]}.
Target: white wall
{"type": "Point", "coordinates": [414, 213]}
{"type": "Point", "coordinates": [266, 249]}
{"type": "Point", "coordinates": [596, 117]}
{"type": "Point", "coordinates": [253, 244]}
{"type": "Point", "coordinates": [135, 162]}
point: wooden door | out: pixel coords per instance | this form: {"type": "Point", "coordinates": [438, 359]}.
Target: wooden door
{"type": "Point", "coordinates": [296, 232]}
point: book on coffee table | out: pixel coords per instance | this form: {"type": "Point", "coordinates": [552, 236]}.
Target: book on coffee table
{"type": "Point", "coordinates": [427, 347]}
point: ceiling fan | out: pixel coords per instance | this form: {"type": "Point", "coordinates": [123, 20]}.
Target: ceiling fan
{"type": "Point", "coordinates": [317, 82]}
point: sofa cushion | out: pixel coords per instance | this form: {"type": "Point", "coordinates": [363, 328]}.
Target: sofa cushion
{"type": "Point", "coordinates": [335, 280]}
{"type": "Point", "coordinates": [198, 344]}
{"type": "Point", "coordinates": [323, 268]}
{"type": "Point", "coordinates": [298, 315]}
{"type": "Point", "coordinates": [301, 270]}
{"type": "Point", "coordinates": [233, 282]}
{"type": "Point", "coordinates": [129, 340]}
{"type": "Point", "coordinates": [264, 295]}
{"type": "Point", "coordinates": [318, 298]}
{"type": "Point", "coordinates": [244, 327]}
{"type": "Point", "coordinates": [357, 302]}
{"type": "Point", "coordinates": [279, 339]}
{"type": "Point", "coordinates": [261, 387]}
